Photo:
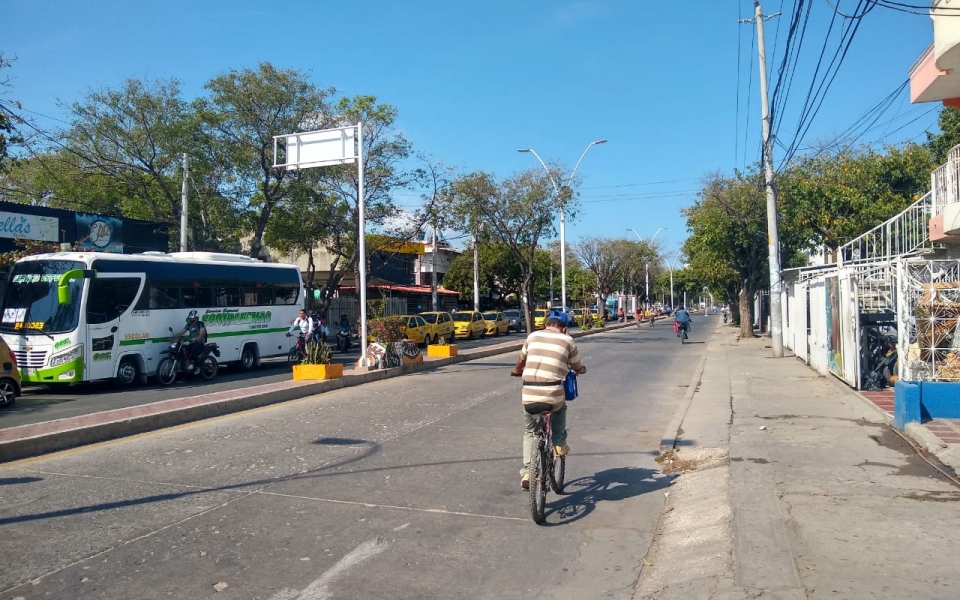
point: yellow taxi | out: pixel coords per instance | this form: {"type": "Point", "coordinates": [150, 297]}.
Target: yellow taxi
{"type": "Point", "coordinates": [495, 323]}
{"type": "Point", "coordinates": [580, 315]}
{"type": "Point", "coordinates": [468, 324]}
{"type": "Point", "coordinates": [539, 319]}
{"type": "Point", "coordinates": [9, 375]}
{"type": "Point", "coordinates": [439, 325]}
{"type": "Point", "coordinates": [416, 328]}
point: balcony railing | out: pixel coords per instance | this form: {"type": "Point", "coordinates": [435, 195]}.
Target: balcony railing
{"type": "Point", "coordinates": [903, 235]}
{"type": "Point", "coordinates": [945, 182]}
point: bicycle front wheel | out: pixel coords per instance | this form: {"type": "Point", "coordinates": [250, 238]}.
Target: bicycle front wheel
{"type": "Point", "coordinates": [557, 473]}
{"type": "Point", "coordinates": [538, 484]}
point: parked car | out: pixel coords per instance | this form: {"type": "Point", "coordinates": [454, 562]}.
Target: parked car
{"type": "Point", "coordinates": [495, 323]}
{"type": "Point", "coordinates": [9, 375]}
{"type": "Point", "coordinates": [516, 320]}
{"type": "Point", "coordinates": [439, 325]}
{"type": "Point", "coordinates": [416, 328]}
{"type": "Point", "coordinates": [581, 314]}
{"type": "Point", "coordinates": [469, 324]}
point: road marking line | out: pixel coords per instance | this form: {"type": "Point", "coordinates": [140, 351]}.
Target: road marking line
{"type": "Point", "coordinates": [393, 507]}
{"type": "Point", "coordinates": [318, 589]}
{"type": "Point", "coordinates": [404, 526]}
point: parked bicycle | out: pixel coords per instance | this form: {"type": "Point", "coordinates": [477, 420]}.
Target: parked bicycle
{"type": "Point", "coordinates": [545, 466]}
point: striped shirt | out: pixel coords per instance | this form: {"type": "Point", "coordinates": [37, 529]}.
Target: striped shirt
{"type": "Point", "coordinates": [549, 355]}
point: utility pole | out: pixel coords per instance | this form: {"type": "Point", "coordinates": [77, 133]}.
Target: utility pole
{"type": "Point", "coordinates": [773, 236]}
{"type": "Point", "coordinates": [183, 207]}
{"type": "Point", "coordinates": [476, 273]}
{"type": "Point", "coordinates": [551, 286]}
{"type": "Point", "coordinates": [433, 269]}
{"type": "Point", "coordinates": [646, 298]}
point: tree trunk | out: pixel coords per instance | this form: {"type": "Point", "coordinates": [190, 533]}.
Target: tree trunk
{"type": "Point", "coordinates": [745, 305]}
{"type": "Point", "coordinates": [526, 294]}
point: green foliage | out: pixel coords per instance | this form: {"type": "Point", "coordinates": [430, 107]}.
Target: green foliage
{"type": "Point", "coordinates": [317, 353]}
{"type": "Point", "coordinates": [517, 211]}
{"type": "Point", "coordinates": [830, 198]}
{"type": "Point", "coordinates": [387, 329]}
{"type": "Point", "coordinates": [9, 133]}
{"type": "Point", "coordinates": [939, 144]}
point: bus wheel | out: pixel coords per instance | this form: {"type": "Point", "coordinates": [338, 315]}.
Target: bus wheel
{"type": "Point", "coordinates": [128, 373]}
{"type": "Point", "coordinates": [248, 358]}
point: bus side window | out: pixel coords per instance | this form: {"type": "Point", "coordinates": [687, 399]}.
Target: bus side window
{"type": "Point", "coordinates": [164, 297]}
{"type": "Point", "coordinates": [253, 297]}
{"type": "Point", "coordinates": [197, 297]}
{"type": "Point", "coordinates": [286, 294]}
{"type": "Point", "coordinates": [228, 296]}
{"type": "Point", "coordinates": [110, 298]}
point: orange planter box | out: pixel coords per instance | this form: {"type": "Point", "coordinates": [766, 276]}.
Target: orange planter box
{"type": "Point", "coordinates": [310, 372]}
{"type": "Point", "coordinates": [442, 351]}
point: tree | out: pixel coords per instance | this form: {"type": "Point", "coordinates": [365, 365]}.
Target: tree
{"type": "Point", "coordinates": [940, 144]}
{"type": "Point", "coordinates": [244, 111]}
{"type": "Point", "coordinates": [302, 225]}
{"type": "Point", "coordinates": [9, 134]}
{"type": "Point", "coordinates": [829, 199]}
{"type": "Point", "coordinates": [516, 211]}
{"type": "Point", "coordinates": [728, 236]}
{"type": "Point", "coordinates": [131, 139]}
{"type": "Point", "coordinates": [603, 257]}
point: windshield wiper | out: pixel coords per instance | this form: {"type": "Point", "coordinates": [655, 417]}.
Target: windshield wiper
{"type": "Point", "coordinates": [37, 329]}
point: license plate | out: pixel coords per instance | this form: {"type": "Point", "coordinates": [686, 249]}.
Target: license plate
{"type": "Point", "coordinates": [29, 370]}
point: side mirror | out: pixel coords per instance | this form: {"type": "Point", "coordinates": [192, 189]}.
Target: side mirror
{"type": "Point", "coordinates": [63, 285]}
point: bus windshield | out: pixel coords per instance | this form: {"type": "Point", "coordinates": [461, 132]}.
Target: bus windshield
{"type": "Point", "coordinates": [30, 305]}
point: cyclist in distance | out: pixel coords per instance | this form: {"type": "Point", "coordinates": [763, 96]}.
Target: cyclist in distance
{"type": "Point", "coordinates": [682, 317]}
{"type": "Point", "coordinates": [546, 357]}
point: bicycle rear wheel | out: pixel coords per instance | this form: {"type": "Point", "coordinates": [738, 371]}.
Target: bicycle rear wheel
{"type": "Point", "coordinates": [557, 473]}
{"type": "Point", "coordinates": [538, 483]}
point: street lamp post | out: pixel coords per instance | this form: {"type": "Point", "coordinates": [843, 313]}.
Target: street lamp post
{"type": "Point", "coordinates": [646, 265]}
{"type": "Point", "coordinates": [557, 189]}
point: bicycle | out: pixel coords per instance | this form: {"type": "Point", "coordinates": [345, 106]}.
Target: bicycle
{"type": "Point", "coordinates": [682, 332]}
{"type": "Point", "coordinates": [544, 466]}
{"type": "Point", "coordinates": [298, 351]}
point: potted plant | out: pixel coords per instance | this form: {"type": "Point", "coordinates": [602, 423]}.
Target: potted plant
{"type": "Point", "coordinates": [442, 348]}
{"type": "Point", "coordinates": [316, 363]}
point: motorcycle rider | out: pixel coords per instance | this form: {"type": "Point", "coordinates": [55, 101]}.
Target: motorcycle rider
{"type": "Point", "coordinates": [683, 320]}
{"type": "Point", "coordinates": [196, 333]}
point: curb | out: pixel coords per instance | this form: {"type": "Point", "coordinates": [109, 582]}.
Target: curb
{"type": "Point", "coordinates": [948, 454]}
{"type": "Point", "coordinates": [668, 440]}
{"type": "Point", "coordinates": [63, 434]}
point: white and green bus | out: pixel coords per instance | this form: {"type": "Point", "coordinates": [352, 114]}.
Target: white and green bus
{"type": "Point", "coordinates": [83, 316]}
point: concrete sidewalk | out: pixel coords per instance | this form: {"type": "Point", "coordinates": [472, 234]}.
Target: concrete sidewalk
{"type": "Point", "coordinates": [798, 489]}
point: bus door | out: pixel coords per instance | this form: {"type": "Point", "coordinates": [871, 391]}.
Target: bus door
{"type": "Point", "coordinates": [110, 299]}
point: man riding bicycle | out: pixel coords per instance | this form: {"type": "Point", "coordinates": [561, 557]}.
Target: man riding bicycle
{"type": "Point", "coordinates": [683, 320]}
{"type": "Point", "coordinates": [304, 323]}
{"type": "Point", "coordinates": [546, 357]}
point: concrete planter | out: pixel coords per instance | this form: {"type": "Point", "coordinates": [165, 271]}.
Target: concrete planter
{"type": "Point", "coordinates": [315, 372]}
{"type": "Point", "coordinates": [442, 351]}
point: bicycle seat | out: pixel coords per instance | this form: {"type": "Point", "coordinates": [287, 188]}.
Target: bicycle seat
{"type": "Point", "coordinates": [538, 408]}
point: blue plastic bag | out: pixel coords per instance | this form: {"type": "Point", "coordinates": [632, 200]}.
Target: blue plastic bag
{"type": "Point", "coordinates": [570, 390]}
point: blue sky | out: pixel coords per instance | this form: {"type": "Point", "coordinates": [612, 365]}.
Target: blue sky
{"type": "Point", "coordinates": [475, 81]}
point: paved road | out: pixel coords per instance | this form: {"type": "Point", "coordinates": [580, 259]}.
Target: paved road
{"type": "Point", "coordinates": [38, 404]}
{"type": "Point", "coordinates": [403, 488]}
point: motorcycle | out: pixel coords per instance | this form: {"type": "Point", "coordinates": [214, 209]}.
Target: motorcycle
{"type": "Point", "coordinates": [178, 362]}
{"type": "Point", "coordinates": [880, 364]}
{"type": "Point", "coordinates": [343, 339]}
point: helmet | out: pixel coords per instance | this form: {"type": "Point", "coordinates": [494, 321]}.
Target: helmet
{"type": "Point", "coordinates": [558, 315]}
{"type": "Point", "coordinates": [193, 315]}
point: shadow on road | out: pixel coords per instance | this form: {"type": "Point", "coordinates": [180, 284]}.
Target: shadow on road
{"type": "Point", "coordinates": [582, 495]}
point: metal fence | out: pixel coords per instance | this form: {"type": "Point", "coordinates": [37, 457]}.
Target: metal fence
{"type": "Point", "coordinates": [905, 234]}
{"type": "Point", "coordinates": [945, 182]}
{"type": "Point", "coordinates": [929, 320]}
